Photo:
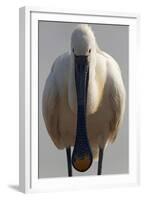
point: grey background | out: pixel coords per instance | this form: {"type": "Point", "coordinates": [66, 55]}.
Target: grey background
{"type": "Point", "coordinates": [54, 39]}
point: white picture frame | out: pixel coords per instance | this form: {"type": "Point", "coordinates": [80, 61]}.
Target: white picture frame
{"type": "Point", "coordinates": [29, 181]}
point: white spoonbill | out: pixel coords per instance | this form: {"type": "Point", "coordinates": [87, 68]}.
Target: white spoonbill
{"type": "Point", "coordinates": [84, 101]}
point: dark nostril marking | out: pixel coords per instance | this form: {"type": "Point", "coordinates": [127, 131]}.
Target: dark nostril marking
{"type": "Point", "coordinates": [89, 50]}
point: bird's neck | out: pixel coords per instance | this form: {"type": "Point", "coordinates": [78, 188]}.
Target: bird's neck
{"type": "Point", "coordinates": [95, 89]}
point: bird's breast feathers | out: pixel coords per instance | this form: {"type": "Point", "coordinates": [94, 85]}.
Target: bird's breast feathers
{"type": "Point", "coordinates": [98, 76]}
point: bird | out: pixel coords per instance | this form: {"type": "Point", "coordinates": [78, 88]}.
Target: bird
{"type": "Point", "coordinates": [83, 101]}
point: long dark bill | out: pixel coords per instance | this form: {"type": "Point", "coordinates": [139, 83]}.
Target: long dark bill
{"type": "Point", "coordinates": [82, 156]}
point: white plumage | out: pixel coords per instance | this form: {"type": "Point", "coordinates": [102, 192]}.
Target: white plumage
{"type": "Point", "coordinates": [105, 96]}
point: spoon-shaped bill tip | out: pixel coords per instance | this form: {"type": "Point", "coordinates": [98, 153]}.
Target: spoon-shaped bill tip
{"type": "Point", "coordinates": [82, 164]}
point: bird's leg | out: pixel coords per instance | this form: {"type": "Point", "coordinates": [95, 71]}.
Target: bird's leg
{"type": "Point", "coordinates": [100, 159]}
{"type": "Point", "coordinates": [69, 162]}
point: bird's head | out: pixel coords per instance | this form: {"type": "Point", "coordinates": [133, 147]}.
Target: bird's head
{"type": "Point", "coordinates": [83, 51]}
{"type": "Point", "coordinates": [83, 43]}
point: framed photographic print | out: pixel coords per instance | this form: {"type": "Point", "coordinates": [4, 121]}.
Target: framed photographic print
{"type": "Point", "coordinates": [78, 109]}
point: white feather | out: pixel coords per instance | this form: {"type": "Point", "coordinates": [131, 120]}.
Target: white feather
{"type": "Point", "coordinates": [105, 98]}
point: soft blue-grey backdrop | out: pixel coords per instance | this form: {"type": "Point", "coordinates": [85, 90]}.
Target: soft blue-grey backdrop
{"type": "Point", "coordinates": [54, 39]}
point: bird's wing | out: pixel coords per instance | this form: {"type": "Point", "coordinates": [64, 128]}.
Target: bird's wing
{"type": "Point", "coordinates": [116, 97]}
{"type": "Point", "coordinates": [50, 107]}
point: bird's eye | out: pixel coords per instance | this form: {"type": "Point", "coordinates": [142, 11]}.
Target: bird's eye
{"type": "Point", "coordinates": [73, 50]}
{"type": "Point", "coordinates": [89, 50]}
